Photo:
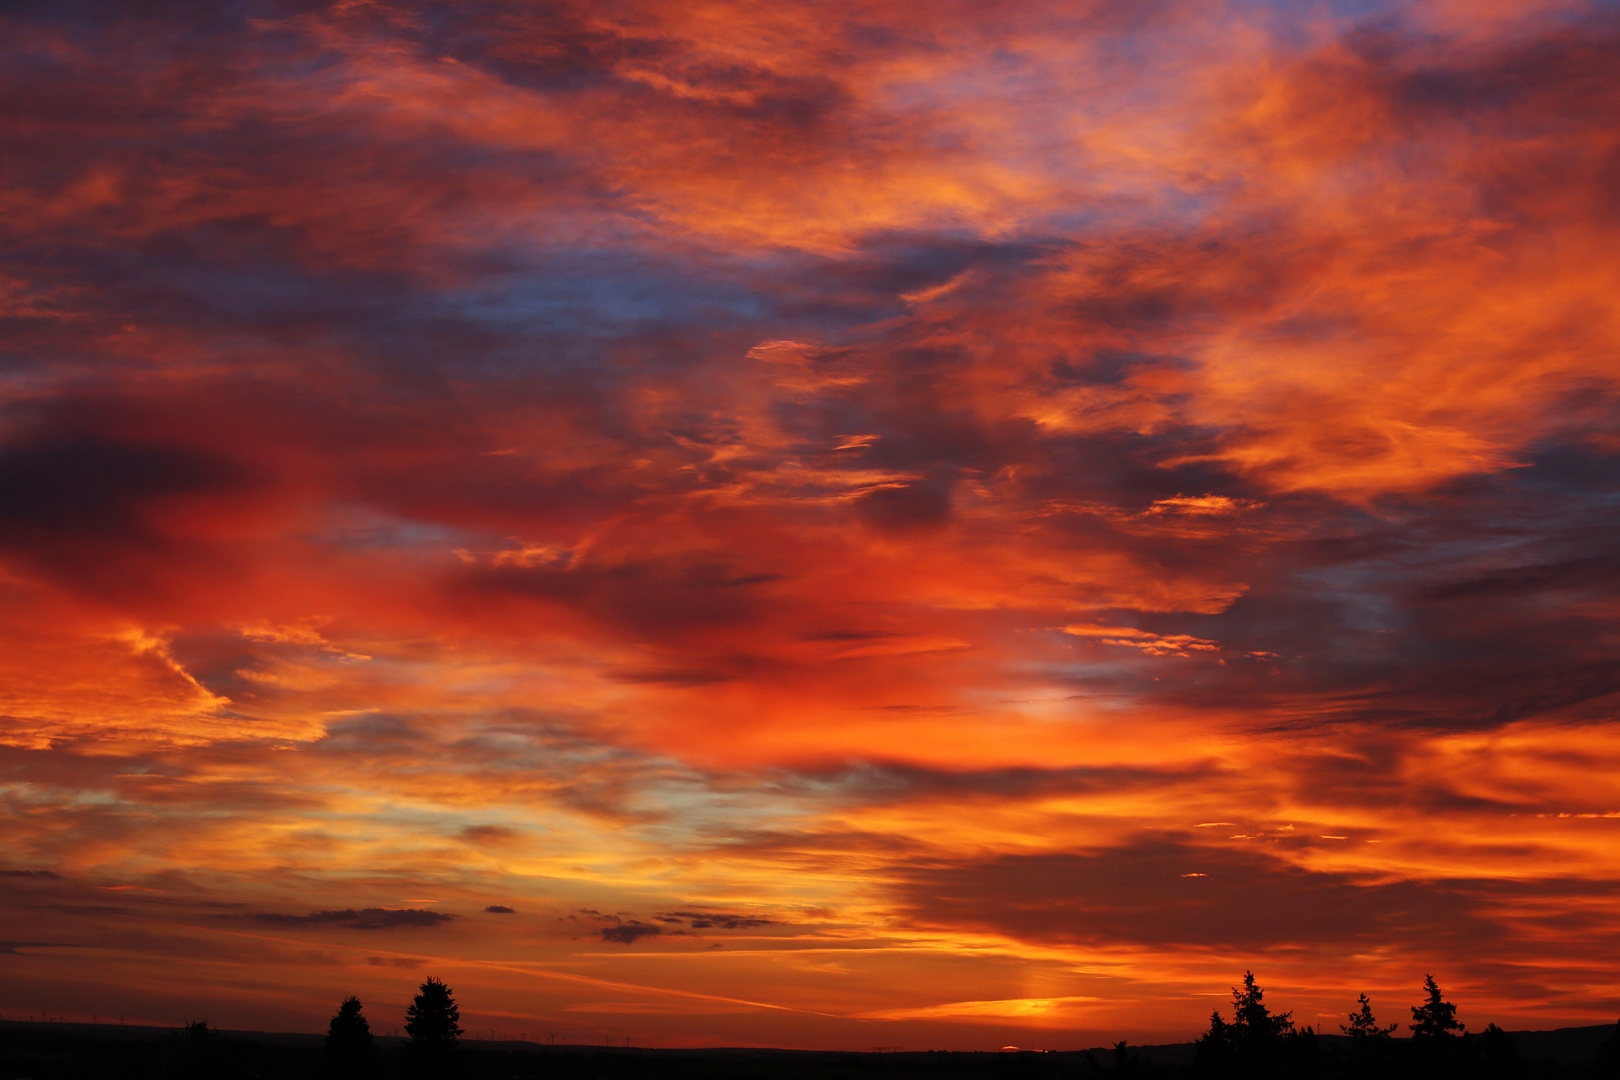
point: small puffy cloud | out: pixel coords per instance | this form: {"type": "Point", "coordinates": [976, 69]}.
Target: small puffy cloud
{"type": "Point", "coordinates": [490, 835]}
{"type": "Point", "coordinates": [629, 932]}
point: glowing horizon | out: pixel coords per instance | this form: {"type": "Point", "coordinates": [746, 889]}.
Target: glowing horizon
{"type": "Point", "coordinates": [944, 527]}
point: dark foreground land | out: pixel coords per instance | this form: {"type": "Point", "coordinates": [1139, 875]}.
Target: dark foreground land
{"type": "Point", "coordinates": [52, 1051]}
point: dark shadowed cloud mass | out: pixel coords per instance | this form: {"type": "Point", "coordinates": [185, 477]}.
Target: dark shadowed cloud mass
{"type": "Point", "coordinates": [1001, 517]}
{"type": "Point", "coordinates": [364, 919]}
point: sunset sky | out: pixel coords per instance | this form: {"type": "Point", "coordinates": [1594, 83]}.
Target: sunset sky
{"type": "Point", "coordinates": [943, 524]}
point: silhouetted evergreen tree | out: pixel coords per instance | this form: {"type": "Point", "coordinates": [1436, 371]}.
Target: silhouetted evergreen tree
{"type": "Point", "coordinates": [1437, 1049]}
{"type": "Point", "coordinates": [1436, 1018]}
{"type": "Point", "coordinates": [1371, 1045]}
{"type": "Point", "coordinates": [1252, 1022]}
{"type": "Point", "coordinates": [350, 1050]}
{"type": "Point", "coordinates": [1124, 1062]}
{"type": "Point", "coordinates": [1212, 1054]}
{"type": "Point", "coordinates": [1364, 1027]}
{"type": "Point", "coordinates": [1257, 1033]}
{"type": "Point", "coordinates": [433, 1023]}
{"type": "Point", "coordinates": [1257, 1043]}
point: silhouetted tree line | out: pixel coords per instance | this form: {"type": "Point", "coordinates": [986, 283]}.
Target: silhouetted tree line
{"type": "Point", "coordinates": [1254, 1043]}
{"type": "Point", "coordinates": [1264, 1045]}
{"type": "Point", "coordinates": [433, 1022]}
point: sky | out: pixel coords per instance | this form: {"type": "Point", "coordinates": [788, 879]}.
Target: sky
{"type": "Point", "coordinates": [939, 525]}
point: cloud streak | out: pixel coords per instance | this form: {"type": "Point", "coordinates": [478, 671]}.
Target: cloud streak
{"type": "Point", "coordinates": [363, 919]}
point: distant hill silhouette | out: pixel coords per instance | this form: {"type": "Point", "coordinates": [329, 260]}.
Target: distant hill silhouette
{"type": "Point", "coordinates": [67, 1051]}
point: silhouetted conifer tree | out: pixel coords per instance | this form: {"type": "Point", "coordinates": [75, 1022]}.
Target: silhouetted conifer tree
{"type": "Point", "coordinates": [1124, 1062]}
{"type": "Point", "coordinates": [1363, 1025]}
{"type": "Point", "coordinates": [1371, 1045]}
{"type": "Point", "coordinates": [350, 1050]}
{"type": "Point", "coordinates": [1256, 1031]}
{"type": "Point", "coordinates": [1212, 1054]}
{"type": "Point", "coordinates": [1436, 1018]}
{"type": "Point", "coordinates": [1436, 1051]}
{"type": "Point", "coordinates": [433, 1023]}
{"type": "Point", "coordinates": [1251, 1020]}
{"type": "Point", "coordinates": [1257, 1043]}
